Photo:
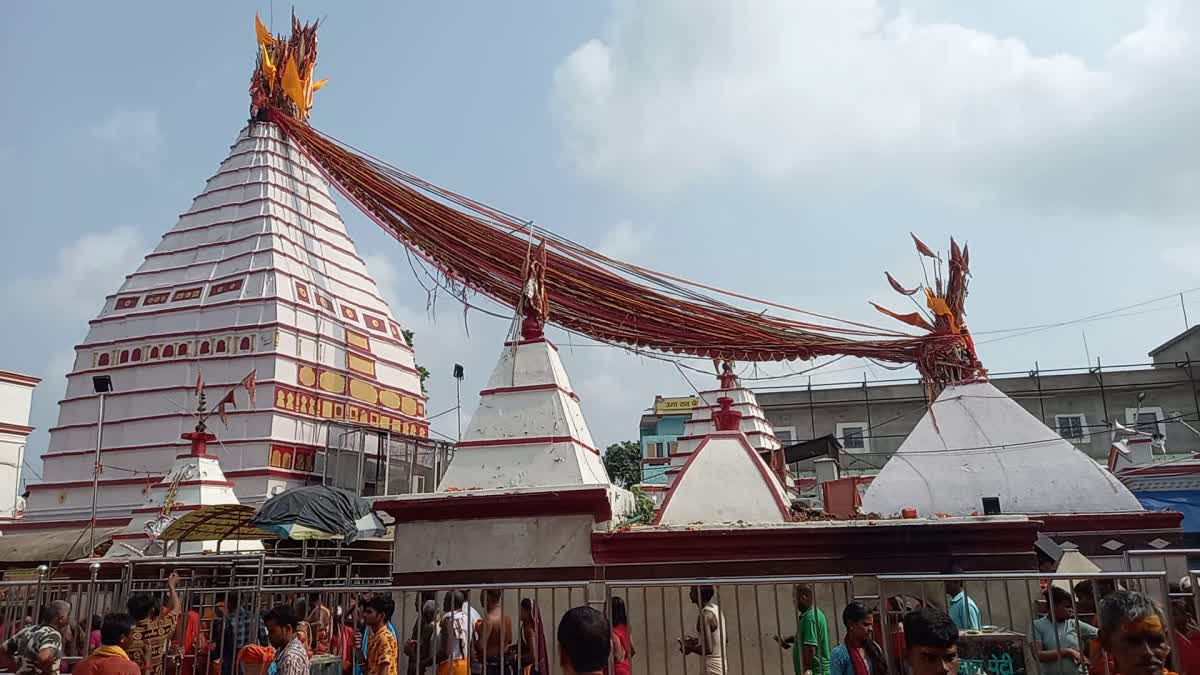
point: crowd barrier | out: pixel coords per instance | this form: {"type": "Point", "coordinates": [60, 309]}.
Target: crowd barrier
{"type": "Point", "coordinates": [758, 613]}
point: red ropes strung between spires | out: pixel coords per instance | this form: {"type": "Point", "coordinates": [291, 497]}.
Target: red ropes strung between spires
{"type": "Point", "coordinates": [488, 251]}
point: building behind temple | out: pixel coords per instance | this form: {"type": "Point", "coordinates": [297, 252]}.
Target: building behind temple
{"type": "Point", "coordinates": [869, 420]}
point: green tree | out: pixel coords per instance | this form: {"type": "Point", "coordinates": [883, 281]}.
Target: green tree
{"type": "Point", "coordinates": [623, 461]}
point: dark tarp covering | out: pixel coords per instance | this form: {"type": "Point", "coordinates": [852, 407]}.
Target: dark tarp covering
{"type": "Point", "coordinates": [319, 507]}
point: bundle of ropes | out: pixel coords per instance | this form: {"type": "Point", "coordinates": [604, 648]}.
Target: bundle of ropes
{"type": "Point", "coordinates": [476, 247]}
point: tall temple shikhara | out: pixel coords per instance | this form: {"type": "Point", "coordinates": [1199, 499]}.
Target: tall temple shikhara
{"type": "Point", "coordinates": [258, 275]}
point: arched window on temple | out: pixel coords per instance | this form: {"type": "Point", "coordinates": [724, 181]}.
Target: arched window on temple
{"type": "Point", "coordinates": [169, 351]}
{"type": "Point", "coordinates": [104, 360]}
{"type": "Point", "coordinates": [154, 352]}
{"type": "Point", "coordinates": [137, 354]}
{"type": "Point", "coordinates": [220, 346]}
{"type": "Point", "coordinates": [245, 345]}
{"type": "Point", "coordinates": [183, 349]}
{"type": "Point", "coordinates": [124, 358]}
{"type": "Point", "coordinates": [204, 348]}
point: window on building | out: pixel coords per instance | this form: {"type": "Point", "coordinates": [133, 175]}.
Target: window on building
{"type": "Point", "coordinates": [672, 448]}
{"type": "Point", "coordinates": [653, 450]}
{"type": "Point", "coordinates": [104, 360]}
{"type": "Point", "coordinates": [154, 352]}
{"type": "Point", "coordinates": [124, 356]}
{"type": "Point", "coordinates": [183, 349]}
{"type": "Point", "coordinates": [168, 351]}
{"type": "Point", "coordinates": [137, 354]}
{"type": "Point", "coordinates": [204, 348]}
{"type": "Point", "coordinates": [418, 484]}
{"type": "Point", "coordinates": [244, 346]}
{"type": "Point", "coordinates": [220, 346]}
{"type": "Point", "coordinates": [1147, 419]}
{"type": "Point", "coordinates": [786, 435]}
{"type": "Point", "coordinates": [854, 437]}
{"type": "Point", "coordinates": [1071, 427]}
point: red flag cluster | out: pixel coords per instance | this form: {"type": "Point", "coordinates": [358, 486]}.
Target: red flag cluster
{"type": "Point", "coordinates": [249, 383]}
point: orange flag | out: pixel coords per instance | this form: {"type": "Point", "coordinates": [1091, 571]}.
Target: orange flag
{"type": "Point", "coordinates": [913, 319]}
{"type": "Point", "coordinates": [250, 382]}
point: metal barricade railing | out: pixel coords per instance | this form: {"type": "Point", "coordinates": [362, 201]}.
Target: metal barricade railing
{"type": "Point", "coordinates": [501, 604]}
{"type": "Point", "coordinates": [757, 618]}
{"type": "Point", "coordinates": [756, 615]}
{"type": "Point", "coordinates": [1012, 602]}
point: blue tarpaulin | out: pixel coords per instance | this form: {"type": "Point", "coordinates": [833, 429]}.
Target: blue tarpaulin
{"type": "Point", "coordinates": [1186, 502]}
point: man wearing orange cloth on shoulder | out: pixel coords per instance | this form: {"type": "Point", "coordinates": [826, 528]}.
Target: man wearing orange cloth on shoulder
{"type": "Point", "coordinates": [1134, 634]}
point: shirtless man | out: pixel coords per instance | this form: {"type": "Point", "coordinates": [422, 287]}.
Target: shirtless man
{"type": "Point", "coordinates": [710, 626]}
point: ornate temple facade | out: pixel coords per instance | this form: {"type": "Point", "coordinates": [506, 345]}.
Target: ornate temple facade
{"type": "Point", "coordinates": [258, 276]}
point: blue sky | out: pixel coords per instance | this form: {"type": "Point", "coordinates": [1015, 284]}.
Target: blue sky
{"type": "Point", "coordinates": [783, 149]}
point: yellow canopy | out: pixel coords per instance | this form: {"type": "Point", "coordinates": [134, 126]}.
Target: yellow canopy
{"type": "Point", "coordinates": [215, 523]}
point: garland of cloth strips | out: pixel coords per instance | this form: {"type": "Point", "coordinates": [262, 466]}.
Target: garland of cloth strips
{"type": "Point", "coordinates": [477, 247]}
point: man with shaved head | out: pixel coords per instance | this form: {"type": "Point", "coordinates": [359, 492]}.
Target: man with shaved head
{"type": "Point", "coordinates": [37, 649]}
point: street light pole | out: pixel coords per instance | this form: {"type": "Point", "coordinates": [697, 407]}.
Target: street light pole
{"type": "Point", "coordinates": [102, 385]}
{"type": "Point", "coordinates": [96, 475]}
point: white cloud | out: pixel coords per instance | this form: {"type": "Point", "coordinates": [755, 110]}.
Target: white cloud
{"type": "Point", "coordinates": [1182, 258]}
{"type": "Point", "coordinates": [135, 133]}
{"type": "Point", "coordinates": [626, 241]}
{"type": "Point", "coordinates": [808, 92]}
{"type": "Point", "coordinates": [86, 270]}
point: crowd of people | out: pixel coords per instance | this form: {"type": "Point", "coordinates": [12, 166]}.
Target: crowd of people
{"type": "Point", "coordinates": [1129, 636]}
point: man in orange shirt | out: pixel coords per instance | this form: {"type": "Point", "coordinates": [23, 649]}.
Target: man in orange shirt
{"type": "Point", "coordinates": [383, 654]}
{"type": "Point", "coordinates": [110, 658]}
{"type": "Point", "coordinates": [154, 627]}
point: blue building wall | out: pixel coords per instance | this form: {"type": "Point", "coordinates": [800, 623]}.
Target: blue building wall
{"type": "Point", "coordinates": [662, 431]}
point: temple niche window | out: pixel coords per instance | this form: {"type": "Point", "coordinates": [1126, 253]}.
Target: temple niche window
{"type": "Point", "coordinates": [183, 349]}
{"type": "Point", "coordinates": [245, 345]}
{"type": "Point", "coordinates": [104, 360]}
{"type": "Point", "coordinates": [154, 353]}
{"type": "Point", "coordinates": [124, 358]}
{"type": "Point", "coordinates": [168, 352]}
{"type": "Point", "coordinates": [204, 348]}
{"type": "Point", "coordinates": [220, 346]}
{"type": "Point", "coordinates": [136, 355]}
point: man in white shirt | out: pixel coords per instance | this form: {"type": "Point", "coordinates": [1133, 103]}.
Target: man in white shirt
{"type": "Point", "coordinates": [470, 617]}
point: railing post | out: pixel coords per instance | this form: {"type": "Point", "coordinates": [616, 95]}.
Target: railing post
{"type": "Point", "coordinates": [91, 596]}
{"type": "Point", "coordinates": [37, 597]}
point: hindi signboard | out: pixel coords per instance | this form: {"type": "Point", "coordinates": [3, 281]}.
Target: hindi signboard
{"type": "Point", "coordinates": [675, 405]}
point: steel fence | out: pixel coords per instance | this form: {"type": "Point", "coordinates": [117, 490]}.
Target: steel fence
{"type": "Point", "coordinates": [757, 616]}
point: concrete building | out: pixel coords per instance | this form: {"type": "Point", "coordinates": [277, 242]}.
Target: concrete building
{"type": "Point", "coordinates": [872, 419]}
{"type": "Point", "coordinates": [16, 397]}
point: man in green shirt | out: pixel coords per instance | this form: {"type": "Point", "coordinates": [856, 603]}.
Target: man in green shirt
{"type": "Point", "coordinates": [810, 645]}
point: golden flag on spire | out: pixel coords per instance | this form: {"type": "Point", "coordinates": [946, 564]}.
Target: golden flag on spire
{"type": "Point", "coordinates": [264, 36]}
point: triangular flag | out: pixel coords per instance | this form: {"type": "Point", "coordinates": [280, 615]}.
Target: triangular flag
{"type": "Point", "coordinates": [227, 400]}
{"type": "Point", "coordinates": [921, 247]}
{"type": "Point", "coordinates": [250, 382]}
{"type": "Point", "coordinates": [264, 35]}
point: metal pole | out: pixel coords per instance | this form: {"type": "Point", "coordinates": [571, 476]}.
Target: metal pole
{"type": "Point", "coordinates": [1192, 383]}
{"type": "Point", "coordinates": [812, 413]}
{"type": "Point", "coordinates": [96, 477]}
{"type": "Point", "coordinates": [458, 404]}
{"type": "Point", "coordinates": [1037, 377]}
{"type": "Point", "coordinates": [1103, 395]}
{"type": "Point", "coordinates": [1183, 306]}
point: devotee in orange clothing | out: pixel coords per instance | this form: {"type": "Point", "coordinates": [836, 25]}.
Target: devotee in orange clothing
{"type": "Point", "coordinates": [110, 658]}
{"type": "Point", "coordinates": [383, 653]}
{"type": "Point", "coordinates": [1134, 634]}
